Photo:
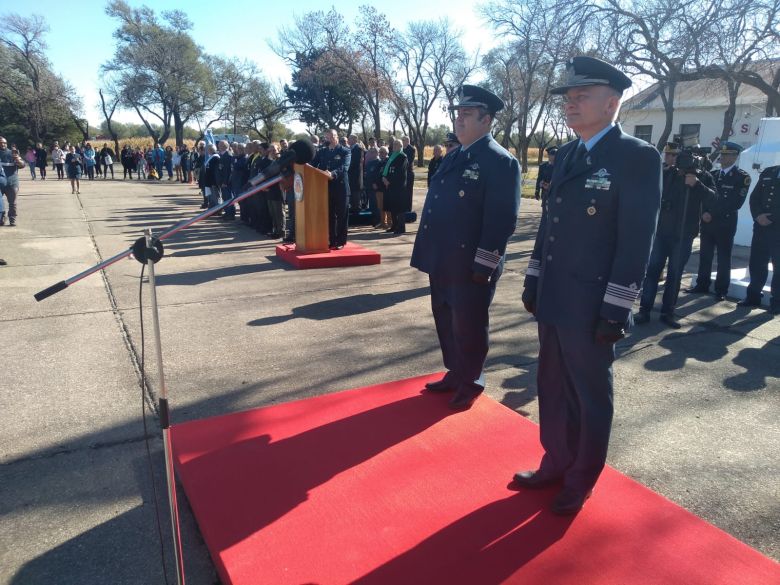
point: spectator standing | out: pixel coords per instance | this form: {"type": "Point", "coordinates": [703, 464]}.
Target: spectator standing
{"type": "Point", "coordinates": [158, 160]}
{"type": "Point", "coordinates": [11, 163]}
{"type": "Point", "coordinates": [107, 157]}
{"type": "Point", "coordinates": [169, 161]}
{"type": "Point", "coordinates": [127, 160]}
{"type": "Point", "coordinates": [186, 164]}
{"type": "Point", "coordinates": [371, 169]}
{"type": "Point", "coordinates": [74, 166]}
{"type": "Point", "coordinates": [239, 175]}
{"type": "Point", "coordinates": [211, 176]}
{"type": "Point", "coordinates": [275, 200]}
{"type": "Point", "coordinates": [139, 164]}
{"type": "Point", "coordinates": [177, 163]}
{"type": "Point", "coordinates": [225, 168]}
{"type": "Point", "coordinates": [58, 159]}
{"type": "Point", "coordinates": [30, 159]}
{"type": "Point", "coordinates": [433, 164]}
{"type": "Point", "coordinates": [411, 154]}
{"type": "Point", "coordinates": [385, 217]}
{"type": "Point", "coordinates": [394, 178]}
{"type": "Point", "coordinates": [89, 161]}
{"type": "Point", "coordinates": [40, 160]}
{"type": "Point", "coordinates": [355, 172]}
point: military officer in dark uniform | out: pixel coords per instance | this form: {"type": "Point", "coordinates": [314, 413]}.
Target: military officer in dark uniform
{"type": "Point", "coordinates": [469, 214]}
{"type": "Point", "coordinates": [765, 246]}
{"type": "Point", "coordinates": [719, 222]}
{"type": "Point", "coordinates": [545, 174]}
{"type": "Point", "coordinates": [584, 275]}
{"type": "Point", "coordinates": [451, 142]}
{"type": "Point", "coordinates": [334, 159]}
{"type": "Point", "coordinates": [685, 187]}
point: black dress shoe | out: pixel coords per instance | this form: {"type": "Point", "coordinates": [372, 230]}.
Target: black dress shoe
{"type": "Point", "coordinates": [568, 502]}
{"type": "Point", "coordinates": [440, 386]}
{"type": "Point", "coordinates": [698, 289]}
{"type": "Point", "coordinates": [719, 297]}
{"type": "Point", "coordinates": [535, 479]}
{"type": "Point", "coordinates": [670, 320]}
{"type": "Point", "coordinates": [464, 398]}
{"type": "Point", "coordinates": [642, 317]}
{"type": "Point", "coordinates": [749, 303]}
{"type": "Point", "coordinates": [774, 309]}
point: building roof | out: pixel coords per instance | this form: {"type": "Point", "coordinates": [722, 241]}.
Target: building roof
{"type": "Point", "coordinates": [702, 93]}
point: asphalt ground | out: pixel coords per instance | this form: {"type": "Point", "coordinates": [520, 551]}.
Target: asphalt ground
{"type": "Point", "coordinates": [696, 409]}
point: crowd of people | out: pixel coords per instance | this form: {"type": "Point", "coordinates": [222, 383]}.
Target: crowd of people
{"type": "Point", "coordinates": [374, 179]}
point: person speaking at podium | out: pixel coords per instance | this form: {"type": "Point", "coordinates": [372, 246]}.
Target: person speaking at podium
{"type": "Point", "coordinates": [469, 214]}
{"type": "Point", "coordinates": [334, 159]}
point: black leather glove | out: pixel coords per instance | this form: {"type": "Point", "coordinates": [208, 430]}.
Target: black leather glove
{"type": "Point", "coordinates": [480, 278]}
{"type": "Point", "coordinates": [609, 332]}
{"type": "Point", "coordinates": [529, 301]}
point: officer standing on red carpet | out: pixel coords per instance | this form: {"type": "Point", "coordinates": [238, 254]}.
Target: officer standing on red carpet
{"type": "Point", "coordinates": [584, 275]}
{"type": "Point", "coordinates": [469, 215]}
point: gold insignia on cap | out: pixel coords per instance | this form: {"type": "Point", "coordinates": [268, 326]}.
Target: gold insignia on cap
{"type": "Point", "coordinates": [591, 210]}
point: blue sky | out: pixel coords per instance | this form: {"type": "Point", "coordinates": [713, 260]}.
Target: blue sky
{"type": "Point", "coordinates": [80, 39]}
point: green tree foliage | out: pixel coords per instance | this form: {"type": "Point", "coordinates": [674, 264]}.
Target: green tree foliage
{"type": "Point", "coordinates": [158, 69]}
{"type": "Point", "coordinates": [321, 98]}
{"type": "Point", "coordinates": [36, 105]}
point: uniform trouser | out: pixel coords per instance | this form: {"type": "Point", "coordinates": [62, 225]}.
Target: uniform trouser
{"type": "Point", "coordinates": [677, 253]}
{"type": "Point", "coordinates": [289, 197]}
{"type": "Point", "coordinates": [276, 210]}
{"type": "Point", "coordinates": [213, 197]}
{"type": "Point", "coordinates": [10, 191]}
{"type": "Point", "coordinates": [337, 218]}
{"type": "Point", "coordinates": [574, 384]}
{"type": "Point", "coordinates": [723, 240]}
{"type": "Point", "coordinates": [764, 247]}
{"type": "Point", "coordinates": [227, 193]}
{"type": "Point", "coordinates": [460, 312]}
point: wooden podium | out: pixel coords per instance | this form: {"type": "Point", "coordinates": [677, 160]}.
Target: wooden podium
{"type": "Point", "coordinates": [311, 210]}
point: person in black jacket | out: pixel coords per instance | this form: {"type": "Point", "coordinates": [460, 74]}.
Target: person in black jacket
{"type": "Point", "coordinates": [433, 164]}
{"type": "Point", "coordinates": [355, 173]}
{"type": "Point", "coordinates": [211, 175]}
{"type": "Point", "coordinates": [40, 160]}
{"type": "Point", "coordinates": [395, 174]}
{"type": "Point", "coordinates": [719, 222]}
{"type": "Point", "coordinates": [411, 153]}
{"type": "Point", "coordinates": [334, 159]}
{"type": "Point", "coordinates": [685, 188]}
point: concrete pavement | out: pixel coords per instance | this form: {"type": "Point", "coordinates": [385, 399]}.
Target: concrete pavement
{"type": "Point", "coordinates": [696, 409]}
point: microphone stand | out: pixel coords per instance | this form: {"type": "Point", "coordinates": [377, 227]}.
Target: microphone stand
{"type": "Point", "coordinates": [149, 250]}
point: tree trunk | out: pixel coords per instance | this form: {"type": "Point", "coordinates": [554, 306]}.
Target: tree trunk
{"type": "Point", "coordinates": [668, 101]}
{"type": "Point", "coordinates": [152, 132]}
{"type": "Point", "coordinates": [178, 127]}
{"type": "Point", "coordinates": [731, 110]}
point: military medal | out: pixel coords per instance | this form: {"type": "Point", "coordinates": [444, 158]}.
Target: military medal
{"type": "Point", "coordinates": [591, 210]}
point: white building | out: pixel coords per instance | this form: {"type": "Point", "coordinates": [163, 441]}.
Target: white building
{"type": "Point", "coordinates": [699, 107]}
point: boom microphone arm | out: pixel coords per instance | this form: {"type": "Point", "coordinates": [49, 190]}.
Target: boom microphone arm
{"type": "Point", "coordinates": [301, 152]}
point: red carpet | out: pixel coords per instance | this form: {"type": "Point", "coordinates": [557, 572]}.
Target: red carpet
{"type": "Point", "coordinates": [349, 255]}
{"type": "Point", "coordinates": [383, 485]}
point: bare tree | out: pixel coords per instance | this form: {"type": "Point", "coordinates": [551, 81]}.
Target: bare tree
{"type": "Point", "coordinates": [428, 56]}
{"type": "Point", "coordinates": [108, 107]}
{"type": "Point", "coordinates": [540, 37]}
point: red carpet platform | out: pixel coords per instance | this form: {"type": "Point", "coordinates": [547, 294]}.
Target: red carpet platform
{"type": "Point", "coordinates": [349, 255]}
{"type": "Point", "coordinates": [384, 485]}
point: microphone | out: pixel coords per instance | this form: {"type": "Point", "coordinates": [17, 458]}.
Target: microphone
{"type": "Point", "coordinates": [300, 151]}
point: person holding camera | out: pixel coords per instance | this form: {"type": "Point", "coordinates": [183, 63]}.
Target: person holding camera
{"type": "Point", "coordinates": [11, 162]}
{"type": "Point", "coordinates": [686, 185]}
{"type": "Point", "coordinates": [719, 222]}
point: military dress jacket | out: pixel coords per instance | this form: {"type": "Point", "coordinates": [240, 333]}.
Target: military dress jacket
{"type": "Point", "coordinates": [596, 232]}
{"type": "Point", "coordinates": [765, 198]}
{"type": "Point", "coordinates": [544, 176]}
{"type": "Point", "coordinates": [336, 160]}
{"type": "Point", "coordinates": [470, 213]}
{"type": "Point", "coordinates": [730, 193]}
